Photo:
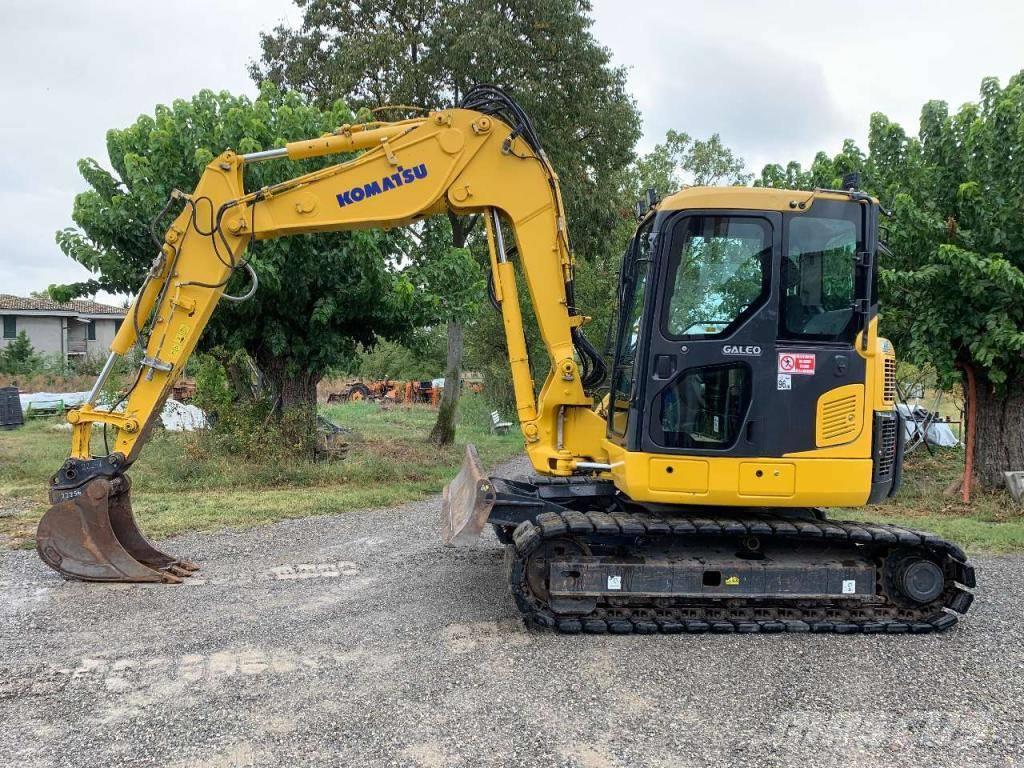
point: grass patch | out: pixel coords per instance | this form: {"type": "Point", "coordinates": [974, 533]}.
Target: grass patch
{"type": "Point", "coordinates": [993, 522]}
{"type": "Point", "coordinates": [183, 483]}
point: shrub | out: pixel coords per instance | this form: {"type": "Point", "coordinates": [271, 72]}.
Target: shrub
{"type": "Point", "coordinates": [249, 427]}
{"type": "Point", "coordinates": [19, 357]}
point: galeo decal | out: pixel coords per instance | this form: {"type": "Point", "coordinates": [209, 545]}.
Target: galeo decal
{"type": "Point", "coordinates": [732, 349]}
{"type": "Point", "coordinates": [397, 179]}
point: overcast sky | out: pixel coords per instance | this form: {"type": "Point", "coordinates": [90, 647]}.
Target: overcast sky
{"type": "Point", "coordinates": [778, 80]}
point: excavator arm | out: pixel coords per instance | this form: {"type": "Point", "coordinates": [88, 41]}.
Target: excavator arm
{"type": "Point", "coordinates": [483, 160]}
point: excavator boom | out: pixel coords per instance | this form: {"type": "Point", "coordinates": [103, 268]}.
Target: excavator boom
{"type": "Point", "coordinates": [460, 160]}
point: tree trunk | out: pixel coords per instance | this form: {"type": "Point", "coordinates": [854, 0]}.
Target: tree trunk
{"type": "Point", "coordinates": [296, 391]}
{"type": "Point", "coordinates": [999, 436]}
{"type": "Point", "coordinates": [239, 379]}
{"type": "Point", "coordinates": [443, 432]}
{"type": "Point", "coordinates": [295, 403]}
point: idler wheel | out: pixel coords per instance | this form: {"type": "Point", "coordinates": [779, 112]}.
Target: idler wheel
{"type": "Point", "coordinates": [538, 566]}
{"type": "Point", "coordinates": [921, 580]}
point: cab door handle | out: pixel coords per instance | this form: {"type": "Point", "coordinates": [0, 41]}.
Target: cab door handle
{"type": "Point", "coordinates": [664, 366]}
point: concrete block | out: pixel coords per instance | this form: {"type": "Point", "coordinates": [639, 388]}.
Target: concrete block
{"type": "Point", "coordinates": [1015, 485]}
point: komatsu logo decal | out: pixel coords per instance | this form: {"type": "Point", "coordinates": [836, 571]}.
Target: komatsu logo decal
{"type": "Point", "coordinates": [397, 179]}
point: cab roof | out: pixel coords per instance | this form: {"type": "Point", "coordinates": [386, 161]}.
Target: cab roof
{"type": "Point", "coordinates": [746, 198]}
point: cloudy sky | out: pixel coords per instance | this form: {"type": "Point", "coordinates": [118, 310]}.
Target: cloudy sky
{"type": "Point", "coordinates": [777, 79]}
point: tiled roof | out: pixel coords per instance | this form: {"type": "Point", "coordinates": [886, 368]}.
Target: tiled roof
{"type": "Point", "coordinates": [79, 306]}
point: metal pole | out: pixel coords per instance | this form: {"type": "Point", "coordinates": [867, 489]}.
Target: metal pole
{"type": "Point", "coordinates": [266, 154]}
{"type": "Point", "coordinates": [594, 465]}
{"type": "Point", "coordinates": [102, 379]}
{"type": "Point", "coordinates": [499, 239]}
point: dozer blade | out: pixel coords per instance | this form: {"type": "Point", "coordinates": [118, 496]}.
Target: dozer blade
{"type": "Point", "coordinates": [94, 537]}
{"type": "Point", "coordinates": [467, 502]}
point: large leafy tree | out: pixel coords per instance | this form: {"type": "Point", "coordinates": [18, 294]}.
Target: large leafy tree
{"type": "Point", "coordinates": [429, 53]}
{"type": "Point", "coordinates": [954, 290]}
{"type": "Point", "coordinates": [320, 295]}
{"type": "Point", "coordinates": [681, 160]}
{"type": "Point", "coordinates": [676, 162]}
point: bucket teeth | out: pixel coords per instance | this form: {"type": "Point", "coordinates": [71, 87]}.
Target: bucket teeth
{"type": "Point", "coordinates": [94, 537]}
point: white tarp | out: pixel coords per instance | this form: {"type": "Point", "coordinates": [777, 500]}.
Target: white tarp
{"type": "Point", "coordinates": [182, 417]}
{"type": "Point", "coordinates": [70, 398]}
{"type": "Point", "coordinates": [176, 416]}
{"type": "Point", "coordinates": [938, 432]}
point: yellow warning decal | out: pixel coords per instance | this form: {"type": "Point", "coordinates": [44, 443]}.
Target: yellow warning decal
{"type": "Point", "coordinates": [732, 581]}
{"type": "Point", "coordinates": [179, 339]}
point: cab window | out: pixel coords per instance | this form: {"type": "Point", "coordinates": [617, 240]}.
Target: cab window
{"type": "Point", "coordinates": [636, 267]}
{"type": "Point", "coordinates": [719, 271]}
{"type": "Point", "coordinates": [704, 408]}
{"type": "Point", "coordinates": [818, 269]}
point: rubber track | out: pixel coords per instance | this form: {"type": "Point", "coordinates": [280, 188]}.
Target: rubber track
{"type": "Point", "coordinates": [529, 536]}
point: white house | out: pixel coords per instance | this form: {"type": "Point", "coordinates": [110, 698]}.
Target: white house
{"type": "Point", "coordinates": [71, 329]}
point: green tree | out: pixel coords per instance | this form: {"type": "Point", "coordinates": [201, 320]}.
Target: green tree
{"type": "Point", "coordinates": [320, 296]}
{"type": "Point", "coordinates": [953, 291]}
{"type": "Point", "coordinates": [681, 160]}
{"type": "Point", "coordinates": [825, 172]}
{"type": "Point", "coordinates": [428, 53]}
{"type": "Point", "coordinates": [419, 359]}
{"type": "Point", "coordinates": [19, 356]}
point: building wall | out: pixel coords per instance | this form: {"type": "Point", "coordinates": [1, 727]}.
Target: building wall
{"type": "Point", "coordinates": [105, 330]}
{"type": "Point", "coordinates": [44, 333]}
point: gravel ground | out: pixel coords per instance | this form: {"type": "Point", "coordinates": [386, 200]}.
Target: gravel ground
{"type": "Point", "coordinates": [358, 640]}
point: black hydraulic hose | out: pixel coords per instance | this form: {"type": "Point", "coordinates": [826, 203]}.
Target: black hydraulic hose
{"type": "Point", "coordinates": [597, 369]}
{"type": "Point", "coordinates": [492, 100]}
{"type": "Point", "coordinates": [491, 293]}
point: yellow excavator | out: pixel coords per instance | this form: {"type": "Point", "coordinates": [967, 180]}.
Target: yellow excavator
{"type": "Point", "coordinates": [749, 390]}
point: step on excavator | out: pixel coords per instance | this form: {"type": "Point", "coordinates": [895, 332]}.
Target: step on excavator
{"type": "Point", "coordinates": [750, 390]}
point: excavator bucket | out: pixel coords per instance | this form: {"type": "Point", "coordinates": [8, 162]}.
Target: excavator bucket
{"type": "Point", "coordinates": [93, 537]}
{"type": "Point", "coordinates": [467, 502]}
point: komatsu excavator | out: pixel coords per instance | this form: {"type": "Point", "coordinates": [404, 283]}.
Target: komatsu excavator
{"type": "Point", "coordinates": [750, 389]}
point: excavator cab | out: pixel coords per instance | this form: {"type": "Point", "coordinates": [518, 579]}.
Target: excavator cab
{"type": "Point", "coordinates": [747, 331]}
{"type": "Point", "coordinates": [749, 392]}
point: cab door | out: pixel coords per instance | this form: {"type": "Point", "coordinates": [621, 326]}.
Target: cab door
{"type": "Point", "coordinates": [710, 374]}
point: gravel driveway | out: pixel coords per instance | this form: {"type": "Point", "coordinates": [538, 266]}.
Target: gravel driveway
{"type": "Point", "coordinates": [357, 640]}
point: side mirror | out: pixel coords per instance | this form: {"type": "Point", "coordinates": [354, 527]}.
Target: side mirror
{"type": "Point", "coordinates": [649, 200]}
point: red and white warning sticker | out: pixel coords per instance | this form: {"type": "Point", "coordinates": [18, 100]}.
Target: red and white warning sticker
{"type": "Point", "coordinates": [800, 363]}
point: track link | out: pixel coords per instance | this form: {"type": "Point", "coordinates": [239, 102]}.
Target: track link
{"type": "Point", "coordinates": [714, 614]}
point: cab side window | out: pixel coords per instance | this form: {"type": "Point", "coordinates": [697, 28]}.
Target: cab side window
{"type": "Point", "coordinates": [636, 267]}
{"type": "Point", "coordinates": [818, 270]}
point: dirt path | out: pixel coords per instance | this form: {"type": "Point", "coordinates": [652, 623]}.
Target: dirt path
{"type": "Point", "coordinates": [358, 640]}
